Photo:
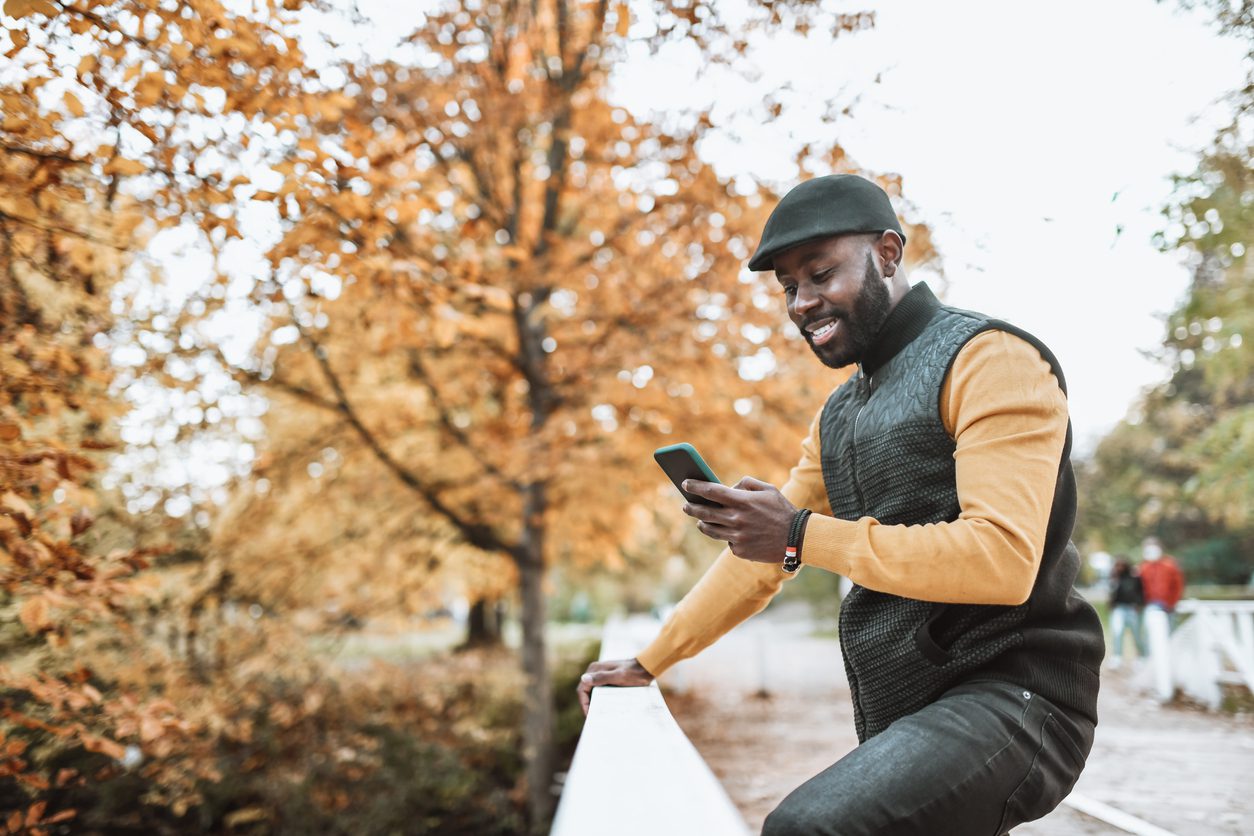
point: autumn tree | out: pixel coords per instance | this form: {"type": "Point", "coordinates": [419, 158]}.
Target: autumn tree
{"type": "Point", "coordinates": [106, 134]}
{"type": "Point", "coordinates": [59, 254]}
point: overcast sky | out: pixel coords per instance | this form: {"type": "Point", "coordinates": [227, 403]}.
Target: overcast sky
{"type": "Point", "coordinates": [1037, 140]}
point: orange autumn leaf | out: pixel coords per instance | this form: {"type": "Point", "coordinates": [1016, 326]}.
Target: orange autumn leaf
{"type": "Point", "coordinates": [104, 746]}
{"type": "Point", "coordinates": [124, 166]}
{"type": "Point", "coordinates": [23, 8]}
{"type": "Point", "coordinates": [34, 615]}
{"type": "Point", "coordinates": [73, 104]}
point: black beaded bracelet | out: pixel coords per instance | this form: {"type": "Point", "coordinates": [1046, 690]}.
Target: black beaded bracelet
{"type": "Point", "coordinates": [792, 553]}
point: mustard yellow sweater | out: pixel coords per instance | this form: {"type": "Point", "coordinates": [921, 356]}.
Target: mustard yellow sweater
{"type": "Point", "coordinates": [1008, 417]}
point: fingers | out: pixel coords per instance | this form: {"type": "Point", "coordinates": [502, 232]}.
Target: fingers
{"type": "Point", "coordinates": [611, 672]}
{"type": "Point", "coordinates": [710, 490]}
{"type": "Point", "coordinates": [715, 531]}
{"type": "Point", "coordinates": [594, 676]}
{"type": "Point", "coordinates": [724, 495]}
{"type": "Point", "coordinates": [584, 690]}
{"type": "Point", "coordinates": [704, 512]}
{"type": "Point", "coordinates": [748, 483]}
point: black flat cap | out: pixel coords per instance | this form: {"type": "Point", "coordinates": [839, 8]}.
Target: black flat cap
{"type": "Point", "coordinates": [833, 205]}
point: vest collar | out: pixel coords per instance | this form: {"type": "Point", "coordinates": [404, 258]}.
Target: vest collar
{"type": "Point", "coordinates": [906, 321]}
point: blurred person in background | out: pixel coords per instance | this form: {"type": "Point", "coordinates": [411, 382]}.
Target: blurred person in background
{"type": "Point", "coordinates": [1161, 577]}
{"type": "Point", "coordinates": [1127, 597]}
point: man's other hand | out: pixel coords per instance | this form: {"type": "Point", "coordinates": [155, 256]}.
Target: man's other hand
{"type": "Point", "coordinates": [612, 672]}
{"type": "Point", "coordinates": [754, 519]}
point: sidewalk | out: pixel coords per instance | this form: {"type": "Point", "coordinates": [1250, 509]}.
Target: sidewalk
{"type": "Point", "coordinates": [1180, 769]}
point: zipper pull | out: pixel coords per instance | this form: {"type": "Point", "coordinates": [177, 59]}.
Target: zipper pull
{"type": "Point", "coordinates": [864, 383]}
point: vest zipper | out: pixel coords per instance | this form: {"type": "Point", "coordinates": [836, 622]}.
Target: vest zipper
{"type": "Point", "coordinates": [857, 488]}
{"type": "Point", "coordinates": [853, 447]}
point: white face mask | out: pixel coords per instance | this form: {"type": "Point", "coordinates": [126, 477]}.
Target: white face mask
{"type": "Point", "coordinates": [1152, 551]}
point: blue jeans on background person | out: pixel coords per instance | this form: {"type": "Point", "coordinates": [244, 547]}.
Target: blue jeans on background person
{"type": "Point", "coordinates": [1126, 618]}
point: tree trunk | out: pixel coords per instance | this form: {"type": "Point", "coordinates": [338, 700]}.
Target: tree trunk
{"type": "Point", "coordinates": [538, 699]}
{"type": "Point", "coordinates": [483, 626]}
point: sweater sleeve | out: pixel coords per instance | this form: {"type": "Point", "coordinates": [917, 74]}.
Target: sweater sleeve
{"type": "Point", "coordinates": [733, 589]}
{"type": "Point", "coordinates": [1008, 417]}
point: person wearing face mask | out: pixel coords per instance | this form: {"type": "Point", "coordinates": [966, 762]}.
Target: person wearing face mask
{"type": "Point", "coordinates": [938, 480]}
{"type": "Point", "coordinates": [1161, 576]}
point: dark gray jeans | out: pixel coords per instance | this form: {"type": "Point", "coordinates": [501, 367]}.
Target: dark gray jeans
{"type": "Point", "coordinates": [983, 758]}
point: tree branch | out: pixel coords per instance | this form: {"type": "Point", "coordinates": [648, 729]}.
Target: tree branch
{"type": "Point", "coordinates": [64, 230]}
{"type": "Point", "coordinates": [254, 376]}
{"type": "Point", "coordinates": [42, 155]}
{"type": "Point", "coordinates": [419, 371]}
{"type": "Point", "coordinates": [477, 534]}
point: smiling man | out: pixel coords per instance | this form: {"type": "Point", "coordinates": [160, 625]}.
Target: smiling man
{"type": "Point", "coordinates": [938, 480]}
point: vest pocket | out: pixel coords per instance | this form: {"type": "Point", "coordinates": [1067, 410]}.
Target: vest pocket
{"type": "Point", "coordinates": [925, 641]}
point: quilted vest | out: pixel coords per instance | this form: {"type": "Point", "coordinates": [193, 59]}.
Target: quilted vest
{"type": "Point", "coordinates": [887, 455]}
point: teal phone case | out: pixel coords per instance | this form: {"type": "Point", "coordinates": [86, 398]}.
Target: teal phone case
{"type": "Point", "coordinates": [682, 461]}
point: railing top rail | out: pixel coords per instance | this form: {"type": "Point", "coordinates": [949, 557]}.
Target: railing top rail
{"type": "Point", "coordinates": [634, 770]}
{"type": "Point", "coordinates": [1197, 604]}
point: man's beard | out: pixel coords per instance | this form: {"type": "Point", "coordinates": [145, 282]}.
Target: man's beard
{"type": "Point", "coordinates": [870, 308]}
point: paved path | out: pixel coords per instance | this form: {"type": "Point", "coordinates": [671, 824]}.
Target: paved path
{"type": "Point", "coordinates": [1182, 770]}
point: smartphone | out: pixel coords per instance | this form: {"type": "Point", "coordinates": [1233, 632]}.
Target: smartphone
{"type": "Point", "coordinates": [682, 461]}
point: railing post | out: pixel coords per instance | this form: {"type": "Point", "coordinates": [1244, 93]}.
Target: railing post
{"type": "Point", "coordinates": [1245, 639]}
{"type": "Point", "coordinates": [1156, 625]}
{"type": "Point", "coordinates": [1215, 647]}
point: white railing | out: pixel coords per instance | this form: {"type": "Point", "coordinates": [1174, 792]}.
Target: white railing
{"type": "Point", "coordinates": [634, 770]}
{"type": "Point", "coordinates": [1212, 649]}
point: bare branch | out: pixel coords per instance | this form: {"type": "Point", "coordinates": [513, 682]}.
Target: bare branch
{"type": "Point", "coordinates": [42, 155]}
{"type": "Point", "coordinates": [457, 433]}
{"type": "Point", "coordinates": [480, 535]}
{"type": "Point", "coordinates": [64, 230]}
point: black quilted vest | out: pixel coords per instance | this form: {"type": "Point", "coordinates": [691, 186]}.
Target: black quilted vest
{"type": "Point", "coordinates": [886, 455]}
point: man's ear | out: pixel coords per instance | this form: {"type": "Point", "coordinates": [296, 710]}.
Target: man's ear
{"type": "Point", "coordinates": [891, 249]}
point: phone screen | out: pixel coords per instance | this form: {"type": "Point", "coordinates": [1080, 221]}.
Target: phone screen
{"type": "Point", "coordinates": [682, 461]}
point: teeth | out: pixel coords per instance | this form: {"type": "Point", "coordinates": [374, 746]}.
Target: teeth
{"type": "Point", "coordinates": [819, 332]}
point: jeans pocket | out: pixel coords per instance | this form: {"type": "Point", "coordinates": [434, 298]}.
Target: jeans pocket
{"type": "Point", "coordinates": [1054, 771]}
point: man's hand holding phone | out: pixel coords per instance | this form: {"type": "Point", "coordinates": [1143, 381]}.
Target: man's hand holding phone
{"type": "Point", "coordinates": [753, 517]}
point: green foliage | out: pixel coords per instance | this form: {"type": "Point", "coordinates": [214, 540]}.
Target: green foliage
{"type": "Point", "coordinates": [1219, 559]}
{"type": "Point", "coordinates": [1180, 465]}
{"type": "Point", "coordinates": [568, 722]}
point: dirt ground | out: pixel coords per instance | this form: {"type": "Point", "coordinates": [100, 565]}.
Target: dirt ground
{"type": "Point", "coordinates": [1178, 768]}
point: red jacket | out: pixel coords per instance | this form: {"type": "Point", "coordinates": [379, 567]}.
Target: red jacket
{"type": "Point", "coordinates": [1163, 581]}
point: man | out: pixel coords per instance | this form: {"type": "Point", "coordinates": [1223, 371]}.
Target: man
{"type": "Point", "coordinates": [1160, 576]}
{"type": "Point", "coordinates": [938, 480]}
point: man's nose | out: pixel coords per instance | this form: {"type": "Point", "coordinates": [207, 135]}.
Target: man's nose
{"type": "Point", "coordinates": [805, 299]}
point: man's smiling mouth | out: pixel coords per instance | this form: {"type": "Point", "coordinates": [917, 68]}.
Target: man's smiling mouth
{"type": "Point", "coordinates": [822, 331]}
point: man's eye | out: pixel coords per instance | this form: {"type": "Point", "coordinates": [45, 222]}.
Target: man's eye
{"type": "Point", "coordinates": [823, 275]}
{"type": "Point", "coordinates": [790, 291]}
